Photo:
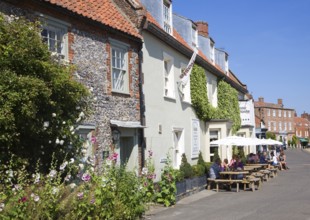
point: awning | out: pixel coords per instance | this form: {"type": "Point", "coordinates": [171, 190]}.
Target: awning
{"type": "Point", "coordinates": [126, 124]}
{"type": "Point", "coordinates": [303, 140]}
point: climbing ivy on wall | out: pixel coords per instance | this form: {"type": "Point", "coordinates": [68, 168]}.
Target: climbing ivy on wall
{"type": "Point", "coordinates": [228, 104]}
{"type": "Point", "coordinates": [199, 95]}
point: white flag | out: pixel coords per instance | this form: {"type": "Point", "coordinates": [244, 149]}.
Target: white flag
{"type": "Point", "coordinates": [185, 75]}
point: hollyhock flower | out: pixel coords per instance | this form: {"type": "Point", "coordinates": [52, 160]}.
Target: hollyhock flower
{"type": "Point", "coordinates": [80, 195]}
{"type": "Point", "coordinates": [36, 198]}
{"type": "Point", "coordinates": [37, 178]}
{"type": "Point", "coordinates": [144, 171]}
{"type": "Point", "coordinates": [81, 166]}
{"type": "Point", "coordinates": [46, 124]}
{"type": "Point", "coordinates": [57, 141]}
{"type": "Point", "coordinates": [52, 173]}
{"type": "Point", "coordinates": [61, 142]}
{"type": "Point", "coordinates": [23, 199]}
{"type": "Point", "coordinates": [63, 166]}
{"type": "Point", "coordinates": [72, 185]}
{"type": "Point", "coordinates": [53, 115]}
{"type": "Point", "coordinates": [55, 190]}
{"type": "Point", "coordinates": [67, 178]}
{"type": "Point", "coordinates": [86, 177]}
{"type": "Point", "coordinates": [2, 205]}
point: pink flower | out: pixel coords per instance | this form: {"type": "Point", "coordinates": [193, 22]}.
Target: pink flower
{"type": "Point", "coordinates": [80, 195]}
{"type": "Point", "coordinates": [86, 177]}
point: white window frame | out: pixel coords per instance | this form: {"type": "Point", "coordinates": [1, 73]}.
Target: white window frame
{"type": "Point", "coordinates": [289, 114]}
{"type": "Point", "coordinates": [121, 84]}
{"type": "Point", "coordinates": [274, 113]}
{"type": "Point", "coordinates": [285, 126]}
{"type": "Point", "coordinates": [60, 29]}
{"type": "Point", "coordinates": [212, 52]}
{"type": "Point", "coordinates": [280, 126]}
{"type": "Point", "coordinates": [167, 16]}
{"type": "Point", "coordinates": [226, 64]}
{"type": "Point", "coordinates": [268, 112]}
{"type": "Point", "coordinates": [279, 113]}
{"type": "Point", "coordinates": [186, 90]}
{"type": "Point", "coordinates": [269, 125]}
{"type": "Point", "coordinates": [168, 73]}
{"type": "Point", "coordinates": [284, 114]}
{"type": "Point", "coordinates": [274, 126]}
{"type": "Point", "coordinates": [290, 126]}
{"type": "Point", "coordinates": [194, 36]}
{"type": "Point", "coordinates": [212, 91]}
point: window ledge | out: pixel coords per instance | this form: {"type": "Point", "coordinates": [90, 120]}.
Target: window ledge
{"type": "Point", "coordinates": [120, 92]}
{"type": "Point", "coordinates": [170, 98]}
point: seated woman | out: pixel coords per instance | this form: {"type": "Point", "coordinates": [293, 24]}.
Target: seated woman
{"type": "Point", "coordinates": [238, 166]}
{"type": "Point", "coordinates": [282, 161]}
{"type": "Point", "coordinates": [274, 159]}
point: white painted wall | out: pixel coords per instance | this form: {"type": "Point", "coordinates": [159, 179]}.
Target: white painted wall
{"type": "Point", "coordinates": [164, 113]}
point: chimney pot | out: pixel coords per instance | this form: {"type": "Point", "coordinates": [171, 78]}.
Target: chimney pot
{"type": "Point", "coordinates": [203, 28]}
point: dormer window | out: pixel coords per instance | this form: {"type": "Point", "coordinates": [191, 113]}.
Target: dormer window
{"type": "Point", "coordinates": [194, 36]}
{"type": "Point", "coordinates": [167, 16]}
{"type": "Point", "coordinates": [212, 52]}
{"type": "Point", "coordinates": [226, 64]}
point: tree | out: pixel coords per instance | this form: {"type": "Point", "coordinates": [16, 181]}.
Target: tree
{"type": "Point", "coordinates": [270, 135]}
{"type": "Point", "coordinates": [39, 101]}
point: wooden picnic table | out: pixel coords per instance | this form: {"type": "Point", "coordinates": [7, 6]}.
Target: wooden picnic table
{"type": "Point", "coordinates": [264, 165]}
{"type": "Point", "coordinates": [252, 168]}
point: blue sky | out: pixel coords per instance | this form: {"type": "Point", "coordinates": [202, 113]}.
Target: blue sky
{"type": "Point", "coordinates": [268, 42]}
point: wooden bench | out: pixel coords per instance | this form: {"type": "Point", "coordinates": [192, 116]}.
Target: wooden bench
{"type": "Point", "coordinates": [251, 182]}
{"type": "Point", "coordinates": [260, 175]}
{"type": "Point", "coordinates": [222, 181]}
{"type": "Point", "coordinates": [266, 174]}
{"type": "Point", "coordinates": [274, 171]}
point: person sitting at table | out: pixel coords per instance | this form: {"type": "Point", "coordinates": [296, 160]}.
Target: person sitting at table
{"type": "Point", "coordinates": [215, 169]}
{"type": "Point", "coordinates": [238, 166]}
{"type": "Point", "coordinates": [263, 157]}
{"type": "Point", "coordinates": [232, 161]}
{"type": "Point", "coordinates": [274, 159]}
{"type": "Point", "coordinates": [282, 161]}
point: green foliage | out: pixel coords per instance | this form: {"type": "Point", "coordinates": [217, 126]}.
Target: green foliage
{"type": "Point", "coordinates": [270, 135]}
{"type": "Point", "coordinates": [168, 189]}
{"type": "Point", "coordinates": [199, 95]}
{"type": "Point", "coordinates": [39, 101]}
{"type": "Point", "coordinates": [201, 162]}
{"type": "Point", "coordinates": [235, 150]}
{"type": "Point", "coordinates": [294, 140]}
{"type": "Point", "coordinates": [179, 176]}
{"type": "Point", "coordinates": [199, 170]}
{"type": "Point", "coordinates": [115, 194]}
{"type": "Point", "coordinates": [216, 154]}
{"type": "Point", "coordinates": [228, 105]}
{"type": "Point", "coordinates": [242, 155]}
{"type": "Point", "coordinates": [186, 168]}
{"type": "Point", "coordinates": [289, 143]}
{"type": "Point", "coordinates": [147, 177]}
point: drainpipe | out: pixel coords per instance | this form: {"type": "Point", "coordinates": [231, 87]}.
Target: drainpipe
{"type": "Point", "coordinates": [142, 111]}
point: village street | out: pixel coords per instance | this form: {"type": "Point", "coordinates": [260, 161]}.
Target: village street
{"type": "Point", "coordinates": [284, 197]}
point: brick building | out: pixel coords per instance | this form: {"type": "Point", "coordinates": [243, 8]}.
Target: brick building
{"type": "Point", "coordinates": [278, 119]}
{"type": "Point", "coordinates": [302, 128]}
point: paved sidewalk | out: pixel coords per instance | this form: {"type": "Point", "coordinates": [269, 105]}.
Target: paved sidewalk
{"type": "Point", "coordinates": [284, 197]}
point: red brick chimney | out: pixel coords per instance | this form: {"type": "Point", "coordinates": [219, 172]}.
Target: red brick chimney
{"type": "Point", "coordinates": [203, 28]}
{"type": "Point", "coordinates": [261, 99]}
{"type": "Point", "coordinates": [280, 102]}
